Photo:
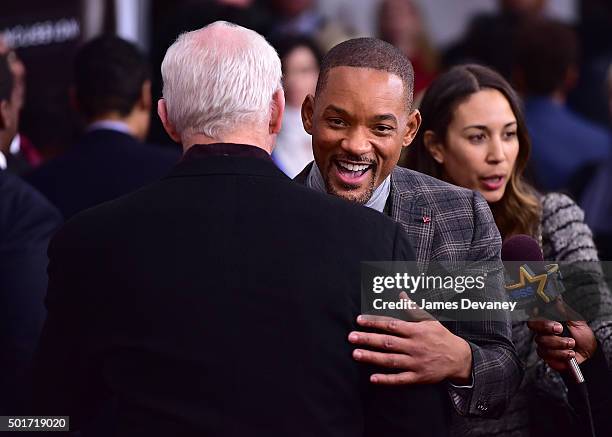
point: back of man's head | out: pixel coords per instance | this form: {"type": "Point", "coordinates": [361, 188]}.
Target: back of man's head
{"type": "Point", "coordinates": [109, 77]}
{"type": "Point", "coordinates": [218, 79]}
{"type": "Point", "coordinates": [369, 53]}
{"type": "Point", "coordinates": [546, 57]}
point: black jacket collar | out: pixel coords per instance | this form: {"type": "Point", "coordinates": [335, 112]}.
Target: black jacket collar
{"type": "Point", "coordinates": [226, 158]}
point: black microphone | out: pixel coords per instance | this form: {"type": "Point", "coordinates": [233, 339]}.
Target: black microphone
{"type": "Point", "coordinates": [534, 283]}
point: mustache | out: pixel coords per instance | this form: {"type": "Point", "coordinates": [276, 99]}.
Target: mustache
{"type": "Point", "coordinates": [356, 159]}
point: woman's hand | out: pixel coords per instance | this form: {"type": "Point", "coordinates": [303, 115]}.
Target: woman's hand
{"type": "Point", "coordinates": [557, 350]}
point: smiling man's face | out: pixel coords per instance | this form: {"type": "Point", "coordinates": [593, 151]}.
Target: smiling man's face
{"type": "Point", "coordinates": [359, 123]}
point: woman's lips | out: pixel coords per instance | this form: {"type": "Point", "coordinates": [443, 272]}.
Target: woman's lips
{"type": "Point", "coordinates": [493, 183]}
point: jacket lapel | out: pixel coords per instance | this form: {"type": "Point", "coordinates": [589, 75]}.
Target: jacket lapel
{"type": "Point", "coordinates": [416, 219]}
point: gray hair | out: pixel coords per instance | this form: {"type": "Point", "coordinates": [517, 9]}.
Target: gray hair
{"type": "Point", "coordinates": [216, 83]}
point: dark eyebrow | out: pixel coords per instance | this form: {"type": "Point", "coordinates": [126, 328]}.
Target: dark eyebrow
{"type": "Point", "coordinates": [336, 109]}
{"type": "Point", "coordinates": [481, 127]}
{"type": "Point", "coordinates": [381, 117]}
{"type": "Point", "coordinates": [385, 117]}
{"type": "Point", "coordinates": [475, 126]}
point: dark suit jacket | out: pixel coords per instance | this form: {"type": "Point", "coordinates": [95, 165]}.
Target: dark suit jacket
{"type": "Point", "coordinates": [448, 223]}
{"type": "Point", "coordinates": [218, 302]}
{"type": "Point", "coordinates": [102, 166]}
{"type": "Point", "coordinates": [27, 221]}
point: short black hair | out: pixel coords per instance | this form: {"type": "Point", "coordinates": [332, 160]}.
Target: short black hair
{"type": "Point", "coordinates": [109, 74]}
{"type": "Point", "coordinates": [369, 53]}
{"type": "Point", "coordinates": [545, 51]}
{"type": "Point", "coordinates": [7, 81]}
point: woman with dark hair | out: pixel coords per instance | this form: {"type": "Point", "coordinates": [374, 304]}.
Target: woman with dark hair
{"type": "Point", "coordinates": [300, 59]}
{"type": "Point", "coordinates": [474, 135]}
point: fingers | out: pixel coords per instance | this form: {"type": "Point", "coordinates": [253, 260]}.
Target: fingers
{"type": "Point", "coordinates": [554, 355]}
{"type": "Point", "coordinates": [379, 341]}
{"type": "Point", "coordinates": [388, 324]}
{"type": "Point", "coordinates": [555, 342]}
{"type": "Point", "coordinates": [545, 327]}
{"type": "Point", "coordinates": [381, 359]}
{"type": "Point", "coordinates": [394, 378]}
{"type": "Point", "coordinates": [415, 312]}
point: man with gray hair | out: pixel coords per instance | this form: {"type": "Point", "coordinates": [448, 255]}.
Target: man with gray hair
{"type": "Point", "coordinates": [218, 301]}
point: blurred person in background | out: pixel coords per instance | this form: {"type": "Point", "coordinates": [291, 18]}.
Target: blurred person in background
{"type": "Point", "coordinates": [300, 59]}
{"type": "Point", "coordinates": [113, 93]}
{"type": "Point", "coordinates": [474, 135]}
{"type": "Point", "coordinates": [17, 154]}
{"type": "Point", "coordinates": [27, 222]}
{"type": "Point", "coordinates": [489, 38]}
{"type": "Point", "coordinates": [565, 145]}
{"type": "Point", "coordinates": [400, 23]}
{"type": "Point", "coordinates": [594, 30]}
{"type": "Point", "coordinates": [596, 198]}
{"type": "Point", "coordinates": [301, 17]}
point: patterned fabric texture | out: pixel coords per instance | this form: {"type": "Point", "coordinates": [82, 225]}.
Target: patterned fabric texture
{"type": "Point", "coordinates": [448, 223]}
{"type": "Point", "coordinates": [541, 406]}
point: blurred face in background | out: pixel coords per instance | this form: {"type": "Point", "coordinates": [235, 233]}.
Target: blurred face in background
{"type": "Point", "coordinates": [400, 24]}
{"type": "Point", "coordinates": [19, 72]}
{"type": "Point", "coordinates": [9, 112]}
{"type": "Point", "coordinates": [481, 144]}
{"type": "Point", "coordinates": [300, 73]}
{"type": "Point", "coordinates": [291, 8]}
{"type": "Point", "coordinates": [523, 7]}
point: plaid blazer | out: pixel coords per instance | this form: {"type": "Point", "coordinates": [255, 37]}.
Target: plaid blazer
{"type": "Point", "coordinates": [449, 223]}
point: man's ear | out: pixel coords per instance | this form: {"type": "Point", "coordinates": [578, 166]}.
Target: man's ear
{"type": "Point", "coordinates": [146, 100]}
{"type": "Point", "coordinates": [434, 146]}
{"type": "Point", "coordinates": [162, 111]}
{"type": "Point", "coordinates": [277, 111]}
{"type": "Point", "coordinates": [412, 127]}
{"type": "Point", "coordinates": [307, 113]}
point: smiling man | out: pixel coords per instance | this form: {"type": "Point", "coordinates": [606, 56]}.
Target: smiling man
{"type": "Point", "coordinates": [360, 118]}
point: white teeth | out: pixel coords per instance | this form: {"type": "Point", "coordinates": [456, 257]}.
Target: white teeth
{"type": "Point", "coordinates": [353, 167]}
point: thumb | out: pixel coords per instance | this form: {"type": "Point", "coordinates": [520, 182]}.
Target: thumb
{"type": "Point", "coordinates": [416, 313]}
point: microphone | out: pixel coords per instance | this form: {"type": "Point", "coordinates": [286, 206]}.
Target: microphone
{"type": "Point", "coordinates": [535, 283]}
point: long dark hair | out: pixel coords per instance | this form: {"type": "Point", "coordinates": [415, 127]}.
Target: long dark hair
{"type": "Point", "coordinates": [518, 211]}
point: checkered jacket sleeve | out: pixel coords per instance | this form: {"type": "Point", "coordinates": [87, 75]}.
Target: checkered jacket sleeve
{"type": "Point", "coordinates": [496, 368]}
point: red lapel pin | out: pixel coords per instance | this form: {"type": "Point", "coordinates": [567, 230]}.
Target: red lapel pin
{"type": "Point", "coordinates": [426, 219]}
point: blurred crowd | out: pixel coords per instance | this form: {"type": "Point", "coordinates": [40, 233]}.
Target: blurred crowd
{"type": "Point", "coordinates": [561, 71]}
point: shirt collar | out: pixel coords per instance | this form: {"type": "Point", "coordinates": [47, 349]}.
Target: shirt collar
{"type": "Point", "coordinates": [114, 125]}
{"type": "Point", "coordinates": [15, 146]}
{"type": "Point", "coordinates": [3, 163]}
{"type": "Point", "coordinates": [225, 149]}
{"type": "Point", "coordinates": [377, 201]}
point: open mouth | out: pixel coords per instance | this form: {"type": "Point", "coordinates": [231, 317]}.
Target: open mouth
{"type": "Point", "coordinates": [493, 182]}
{"type": "Point", "coordinates": [352, 170]}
